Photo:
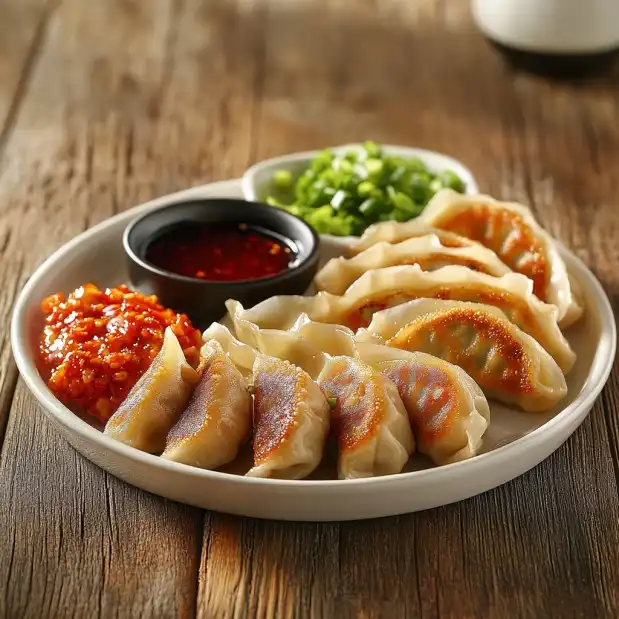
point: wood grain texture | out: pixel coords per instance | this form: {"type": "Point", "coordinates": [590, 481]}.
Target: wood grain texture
{"type": "Point", "coordinates": [121, 101]}
{"type": "Point", "coordinates": [21, 35]}
{"type": "Point", "coordinates": [97, 133]}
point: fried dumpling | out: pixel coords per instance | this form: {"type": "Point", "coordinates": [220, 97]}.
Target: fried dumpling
{"type": "Point", "coordinates": [447, 410]}
{"type": "Point", "coordinates": [511, 293]}
{"type": "Point", "coordinates": [508, 364]}
{"type": "Point", "coordinates": [242, 355]}
{"type": "Point", "coordinates": [276, 342]}
{"type": "Point", "coordinates": [218, 418]}
{"type": "Point", "coordinates": [384, 288]}
{"type": "Point", "coordinates": [291, 420]}
{"type": "Point", "coordinates": [370, 422]}
{"type": "Point", "coordinates": [395, 232]}
{"type": "Point", "coordinates": [426, 251]}
{"type": "Point", "coordinates": [156, 401]}
{"type": "Point", "coordinates": [512, 232]}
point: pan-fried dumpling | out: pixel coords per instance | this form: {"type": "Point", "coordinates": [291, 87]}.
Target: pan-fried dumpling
{"type": "Point", "coordinates": [426, 251]}
{"type": "Point", "coordinates": [156, 401]}
{"type": "Point", "coordinates": [384, 288]}
{"type": "Point", "coordinates": [395, 232]}
{"type": "Point", "coordinates": [242, 355]}
{"type": "Point", "coordinates": [369, 419]}
{"type": "Point", "coordinates": [511, 293]}
{"type": "Point", "coordinates": [291, 420]}
{"type": "Point", "coordinates": [218, 418]}
{"type": "Point", "coordinates": [447, 410]}
{"type": "Point", "coordinates": [512, 232]}
{"type": "Point", "coordinates": [508, 364]}
{"type": "Point", "coordinates": [276, 342]}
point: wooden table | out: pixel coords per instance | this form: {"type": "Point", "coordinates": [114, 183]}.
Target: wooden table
{"type": "Point", "coordinates": [106, 104]}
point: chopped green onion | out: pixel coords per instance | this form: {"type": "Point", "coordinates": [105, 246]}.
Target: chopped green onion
{"type": "Point", "coordinates": [282, 179]}
{"type": "Point", "coordinates": [342, 194]}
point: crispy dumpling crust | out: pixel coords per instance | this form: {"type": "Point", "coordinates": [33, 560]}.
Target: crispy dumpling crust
{"type": "Point", "coordinates": [506, 363]}
{"type": "Point", "coordinates": [218, 418]}
{"type": "Point", "coordinates": [512, 232]}
{"type": "Point", "coordinates": [291, 420]}
{"type": "Point", "coordinates": [156, 401]}
{"type": "Point", "coordinates": [369, 419]}
{"type": "Point", "coordinates": [447, 410]}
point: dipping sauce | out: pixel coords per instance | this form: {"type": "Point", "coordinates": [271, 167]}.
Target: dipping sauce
{"type": "Point", "coordinates": [221, 252]}
{"type": "Point", "coordinates": [97, 343]}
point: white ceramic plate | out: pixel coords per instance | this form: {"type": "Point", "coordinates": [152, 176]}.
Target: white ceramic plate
{"type": "Point", "coordinates": [515, 442]}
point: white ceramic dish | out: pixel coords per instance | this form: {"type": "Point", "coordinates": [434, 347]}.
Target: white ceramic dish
{"type": "Point", "coordinates": [257, 180]}
{"type": "Point", "coordinates": [515, 442]}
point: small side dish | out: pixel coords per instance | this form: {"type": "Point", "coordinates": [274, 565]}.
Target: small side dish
{"type": "Point", "coordinates": [343, 191]}
{"type": "Point", "coordinates": [193, 255]}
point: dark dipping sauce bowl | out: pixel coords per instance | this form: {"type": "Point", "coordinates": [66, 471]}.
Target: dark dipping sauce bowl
{"type": "Point", "coordinates": [203, 300]}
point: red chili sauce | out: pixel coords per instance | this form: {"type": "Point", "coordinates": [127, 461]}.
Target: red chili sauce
{"type": "Point", "coordinates": [221, 252]}
{"type": "Point", "coordinates": [97, 343]}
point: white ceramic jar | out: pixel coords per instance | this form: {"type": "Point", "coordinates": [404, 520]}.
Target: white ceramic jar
{"type": "Point", "coordinates": [552, 35]}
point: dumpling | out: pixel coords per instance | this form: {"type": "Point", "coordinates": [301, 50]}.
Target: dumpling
{"type": "Point", "coordinates": [511, 293]}
{"type": "Point", "coordinates": [512, 232]}
{"type": "Point", "coordinates": [508, 364]}
{"type": "Point", "coordinates": [156, 401]}
{"type": "Point", "coordinates": [291, 420]}
{"type": "Point", "coordinates": [242, 355]}
{"type": "Point", "coordinates": [369, 419]}
{"type": "Point", "coordinates": [218, 418]}
{"type": "Point", "coordinates": [394, 232]}
{"type": "Point", "coordinates": [291, 414]}
{"type": "Point", "coordinates": [332, 339]}
{"type": "Point", "coordinates": [384, 288]}
{"type": "Point", "coordinates": [426, 251]}
{"type": "Point", "coordinates": [276, 342]}
{"type": "Point", "coordinates": [447, 410]}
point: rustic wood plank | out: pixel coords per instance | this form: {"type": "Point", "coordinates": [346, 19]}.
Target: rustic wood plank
{"type": "Point", "coordinates": [22, 31]}
{"type": "Point", "coordinates": [128, 101]}
{"type": "Point", "coordinates": [81, 544]}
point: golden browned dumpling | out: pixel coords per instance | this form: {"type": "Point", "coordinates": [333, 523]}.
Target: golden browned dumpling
{"type": "Point", "coordinates": [291, 420]}
{"type": "Point", "coordinates": [369, 419]}
{"type": "Point", "coordinates": [509, 365]}
{"type": "Point", "coordinates": [218, 418]}
{"type": "Point", "coordinates": [511, 231]}
{"type": "Point", "coordinates": [156, 401]}
{"type": "Point", "coordinates": [447, 410]}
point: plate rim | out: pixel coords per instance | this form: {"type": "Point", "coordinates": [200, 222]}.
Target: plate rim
{"type": "Point", "coordinates": [573, 414]}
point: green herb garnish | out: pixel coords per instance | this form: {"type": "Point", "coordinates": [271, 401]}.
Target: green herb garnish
{"type": "Point", "coordinates": [343, 194]}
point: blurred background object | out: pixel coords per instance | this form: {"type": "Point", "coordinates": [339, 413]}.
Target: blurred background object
{"type": "Point", "coordinates": [554, 37]}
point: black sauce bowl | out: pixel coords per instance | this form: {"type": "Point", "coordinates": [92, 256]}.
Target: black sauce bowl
{"type": "Point", "coordinates": [203, 300]}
